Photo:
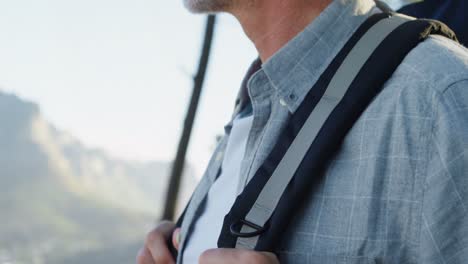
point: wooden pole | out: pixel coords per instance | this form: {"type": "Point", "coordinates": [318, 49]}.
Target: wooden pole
{"type": "Point", "coordinates": [179, 162]}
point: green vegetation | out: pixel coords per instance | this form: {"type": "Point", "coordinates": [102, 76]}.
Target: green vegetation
{"type": "Point", "coordinates": [63, 203]}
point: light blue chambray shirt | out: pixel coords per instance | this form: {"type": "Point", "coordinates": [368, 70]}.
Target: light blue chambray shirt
{"type": "Point", "coordinates": [397, 190]}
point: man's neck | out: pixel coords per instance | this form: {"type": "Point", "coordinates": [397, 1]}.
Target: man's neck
{"type": "Point", "coordinates": [270, 24]}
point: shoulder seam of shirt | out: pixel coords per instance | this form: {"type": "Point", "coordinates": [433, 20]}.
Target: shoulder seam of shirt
{"type": "Point", "coordinates": [435, 111]}
{"type": "Point", "coordinates": [435, 150]}
{"type": "Point", "coordinates": [455, 82]}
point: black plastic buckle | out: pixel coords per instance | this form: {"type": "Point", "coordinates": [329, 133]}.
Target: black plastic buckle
{"type": "Point", "coordinates": [258, 229]}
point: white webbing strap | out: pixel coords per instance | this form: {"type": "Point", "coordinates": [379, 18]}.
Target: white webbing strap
{"type": "Point", "coordinates": [270, 195]}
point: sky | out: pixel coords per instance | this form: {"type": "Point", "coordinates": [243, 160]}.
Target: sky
{"type": "Point", "coordinates": [117, 74]}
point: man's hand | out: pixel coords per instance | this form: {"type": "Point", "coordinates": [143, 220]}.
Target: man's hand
{"type": "Point", "coordinates": [155, 250]}
{"type": "Point", "coordinates": [235, 256]}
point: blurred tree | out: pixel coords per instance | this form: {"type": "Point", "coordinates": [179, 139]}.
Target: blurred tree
{"type": "Point", "coordinates": [179, 162]}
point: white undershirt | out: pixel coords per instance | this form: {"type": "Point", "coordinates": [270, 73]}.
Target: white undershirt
{"type": "Point", "coordinates": [221, 195]}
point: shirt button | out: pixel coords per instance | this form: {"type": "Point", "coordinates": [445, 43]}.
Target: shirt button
{"type": "Point", "coordinates": [282, 102]}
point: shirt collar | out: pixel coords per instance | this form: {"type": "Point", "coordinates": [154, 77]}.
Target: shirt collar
{"type": "Point", "coordinates": [295, 68]}
{"type": "Point", "coordinates": [243, 99]}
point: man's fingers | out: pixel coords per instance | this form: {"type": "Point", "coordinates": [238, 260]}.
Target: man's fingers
{"type": "Point", "coordinates": [176, 238]}
{"type": "Point", "coordinates": [271, 257]}
{"type": "Point", "coordinates": [156, 248]}
{"type": "Point", "coordinates": [213, 255]}
{"type": "Point", "coordinates": [165, 228]}
{"type": "Point", "coordinates": [156, 243]}
{"type": "Point", "coordinates": [235, 256]}
{"type": "Point", "coordinates": [144, 257]}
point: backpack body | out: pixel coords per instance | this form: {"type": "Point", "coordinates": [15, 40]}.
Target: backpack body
{"type": "Point", "coordinates": [451, 12]}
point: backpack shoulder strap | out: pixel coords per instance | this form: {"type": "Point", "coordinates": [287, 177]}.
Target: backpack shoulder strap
{"type": "Point", "coordinates": [262, 211]}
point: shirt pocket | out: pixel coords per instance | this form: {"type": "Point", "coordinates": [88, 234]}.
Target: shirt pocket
{"type": "Point", "coordinates": [301, 258]}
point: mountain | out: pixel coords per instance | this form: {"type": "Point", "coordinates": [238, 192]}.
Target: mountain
{"type": "Point", "coordinates": [61, 202]}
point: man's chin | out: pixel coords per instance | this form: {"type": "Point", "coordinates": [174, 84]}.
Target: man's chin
{"type": "Point", "coordinates": [204, 6]}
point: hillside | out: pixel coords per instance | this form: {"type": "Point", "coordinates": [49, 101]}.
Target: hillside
{"type": "Point", "coordinates": [61, 202]}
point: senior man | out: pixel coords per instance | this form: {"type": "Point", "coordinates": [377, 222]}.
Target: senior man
{"type": "Point", "coordinates": [396, 191]}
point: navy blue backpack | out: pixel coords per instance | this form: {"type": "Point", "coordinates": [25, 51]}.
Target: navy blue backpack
{"type": "Point", "coordinates": [451, 12]}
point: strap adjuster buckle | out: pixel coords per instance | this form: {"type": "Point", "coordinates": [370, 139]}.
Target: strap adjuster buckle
{"type": "Point", "coordinates": [258, 229]}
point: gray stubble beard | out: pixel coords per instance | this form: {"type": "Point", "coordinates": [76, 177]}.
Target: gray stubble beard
{"type": "Point", "coordinates": [207, 6]}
